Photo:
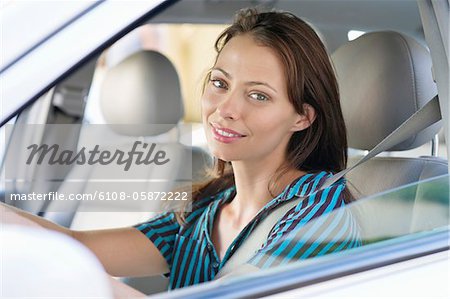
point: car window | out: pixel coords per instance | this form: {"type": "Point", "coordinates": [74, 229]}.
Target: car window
{"type": "Point", "coordinates": [407, 210]}
{"type": "Point", "coordinates": [24, 24]}
{"type": "Point", "coordinates": [28, 69]}
{"type": "Point", "coordinates": [398, 225]}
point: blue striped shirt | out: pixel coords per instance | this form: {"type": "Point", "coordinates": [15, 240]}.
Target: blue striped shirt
{"type": "Point", "coordinates": [192, 258]}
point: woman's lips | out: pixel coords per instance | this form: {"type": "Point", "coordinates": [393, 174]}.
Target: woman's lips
{"type": "Point", "coordinates": [225, 135]}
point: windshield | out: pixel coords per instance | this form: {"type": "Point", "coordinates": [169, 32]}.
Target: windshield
{"type": "Point", "coordinates": [23, 61]}
{"type": "Point", "coordinates": [26, 23]}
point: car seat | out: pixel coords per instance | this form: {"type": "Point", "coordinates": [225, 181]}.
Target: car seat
{"type": "Point", "coordinates": [385, 77]}
{"type": "Point", "coordinates": [141, 100]}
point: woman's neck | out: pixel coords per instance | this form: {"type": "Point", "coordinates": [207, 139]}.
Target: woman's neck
{"type": "Point", "coordinates": [252, 181]}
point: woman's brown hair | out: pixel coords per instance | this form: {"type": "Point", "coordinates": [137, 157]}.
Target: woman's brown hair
{"type": "Point", "coordinates": [310, 80]}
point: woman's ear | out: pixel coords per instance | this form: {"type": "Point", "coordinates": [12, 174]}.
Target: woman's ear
{"type": "Point", "coordinates": [306, 119]}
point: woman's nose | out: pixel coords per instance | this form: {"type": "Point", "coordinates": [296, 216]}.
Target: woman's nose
{"type": "Point", "coordinates": [229, 107]}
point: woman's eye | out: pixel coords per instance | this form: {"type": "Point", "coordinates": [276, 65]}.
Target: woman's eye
{"type": "Point", "coordinates": [259, 97]}
{"type": "Point", "coordinates": [218, 83]}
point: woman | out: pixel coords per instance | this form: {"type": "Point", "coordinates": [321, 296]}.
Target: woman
{"type": "Point", "coordinates": [273, 122]}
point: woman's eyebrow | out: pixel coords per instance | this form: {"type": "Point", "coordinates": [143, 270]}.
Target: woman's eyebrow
{"type": "Point", "coordinates": [222, 71]}
{"type": "Point", "coordinates": [248, 83]}
{"type": "Point", "coordinates": [262, 83]}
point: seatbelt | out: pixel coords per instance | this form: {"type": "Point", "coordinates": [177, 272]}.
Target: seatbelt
{"type": "Point", "coordinates": [423, 118]}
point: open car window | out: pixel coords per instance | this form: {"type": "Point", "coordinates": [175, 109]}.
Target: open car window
{"type": "Point", "coordinates": [395, 226]}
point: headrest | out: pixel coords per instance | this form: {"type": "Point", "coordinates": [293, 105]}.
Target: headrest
{"type": "Point", "coordinates": [384, 78]}
{"type": "Point", "coordinates": [143, 89]}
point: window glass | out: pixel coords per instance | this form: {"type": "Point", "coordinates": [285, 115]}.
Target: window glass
{"type": "Point", "coordinates": [415, 208]}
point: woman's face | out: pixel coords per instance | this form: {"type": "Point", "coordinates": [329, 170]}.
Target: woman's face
{"type": "Point", "coordinates": [245, 107]}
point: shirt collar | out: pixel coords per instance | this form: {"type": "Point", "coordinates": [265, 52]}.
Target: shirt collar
{"type": "Point", "coordinates": [308, 184]}
{"type": "Point", "coordinates": [302, 186]}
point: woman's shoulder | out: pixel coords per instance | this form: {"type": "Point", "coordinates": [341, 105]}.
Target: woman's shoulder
{"type": "Point", "coordinates": [200, 205]}
{"type": "Point", "coordinates": [312, 183]}
{"type": "Point", "coordinates": [314, 200]}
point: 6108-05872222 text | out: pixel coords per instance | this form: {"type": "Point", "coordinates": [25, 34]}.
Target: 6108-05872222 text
{"type": "Point", "coordinates": [100, 195]}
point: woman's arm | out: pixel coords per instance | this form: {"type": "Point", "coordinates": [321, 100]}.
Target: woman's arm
{"type": "Point", "coordinates": [13, 215]}
{"type": "Point", "coordinates": [122, 252]}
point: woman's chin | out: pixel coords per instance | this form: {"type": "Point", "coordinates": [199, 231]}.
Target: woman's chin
{"type": "Point", "coordinates": [224, 157]}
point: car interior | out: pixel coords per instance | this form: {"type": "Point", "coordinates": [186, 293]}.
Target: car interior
{"type": "Point", "coordinates": [130, 98]}
{"type": "Point", "coordinates": [377, 98]}
{"type": "Point", "coordinates": [385, 75]}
